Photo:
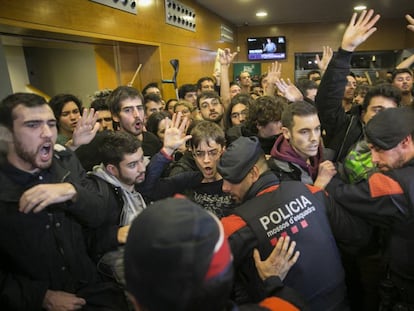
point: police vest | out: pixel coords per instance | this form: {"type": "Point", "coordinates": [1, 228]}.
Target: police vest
{"type": "Point", "coordinates": [292, 209]}
{"type": "Point", "coordinates": [401, 241]}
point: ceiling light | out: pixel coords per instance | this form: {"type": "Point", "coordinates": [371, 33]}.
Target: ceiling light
{"type": "Point", "coordinates": [261, 14]}
{"type": "Point", "coordinates": [144, 3]}
{"type": "Point", "coordinates": [360, 7]}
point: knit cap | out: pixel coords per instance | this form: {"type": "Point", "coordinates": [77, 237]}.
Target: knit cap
{"type": "Point", "coordinates": [389, 127]}
{"type": "Point", "coordinates": [239, 158]}
{"type": "Point", "coordinates": [174, 246]}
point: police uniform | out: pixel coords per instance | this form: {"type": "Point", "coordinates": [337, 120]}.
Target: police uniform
{"type": "Point", "coordinates": [298, 210]}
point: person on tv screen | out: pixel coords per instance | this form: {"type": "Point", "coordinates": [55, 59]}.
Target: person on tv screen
{"type": "Point", "coordinates": [269, 46]}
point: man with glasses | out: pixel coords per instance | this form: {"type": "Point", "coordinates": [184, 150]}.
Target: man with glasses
{"type": "Point", "coordinates": [239, 116]}
{"type": "Point", "coordinates": [203, 186]}
{"type": "Point", "coordinates": [238, 110]}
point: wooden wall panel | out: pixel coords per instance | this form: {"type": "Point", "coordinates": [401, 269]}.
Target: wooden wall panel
{"type": "Point", "coordinates": [194, 63]}
{"type": "Point", "coordinates": [150, 59]}
{"type": "Point", "coordinates": [105, 67]}
{"type": "Point", "coordinates": [195, 50]}
{"type": "Point", "coordinates": [86, 17]}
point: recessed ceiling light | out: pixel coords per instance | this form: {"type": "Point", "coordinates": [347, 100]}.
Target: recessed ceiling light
{"type": "Point", "coordinates": [144, 3]}
{"type": "Point", "coordinates": [360, 7]}
{"type": "Point", "coordinates": [261, 14]}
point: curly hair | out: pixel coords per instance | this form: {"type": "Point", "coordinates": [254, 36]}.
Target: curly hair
{"type": "Point", "coordinates": [263, 110]}
{"type": "Point", "coordinates": [238, 99]}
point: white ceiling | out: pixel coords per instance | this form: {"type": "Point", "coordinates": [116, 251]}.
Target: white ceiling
{"type": "Point", "coordinates": [242, 12]}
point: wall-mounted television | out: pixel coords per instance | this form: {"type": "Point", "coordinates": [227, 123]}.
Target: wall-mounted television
{"type": "Point", "coordinates": [266, 48]}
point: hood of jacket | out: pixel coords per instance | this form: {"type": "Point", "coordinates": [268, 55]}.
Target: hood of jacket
{"type": "Point", "coordinates": [282, 150]}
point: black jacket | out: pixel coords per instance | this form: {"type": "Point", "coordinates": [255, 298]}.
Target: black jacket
{"type": "Point", "coordinates": [105, 238]}
{"type": "Point", "coordinates": [342, 130]}
{"type": "Point", "coordinates": [45, 250]}
{"type": "Point", "coordinates": [385, 200]}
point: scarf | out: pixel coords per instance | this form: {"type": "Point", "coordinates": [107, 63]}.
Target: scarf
{"type": "Point", "coordinates": [282, 150]}
{"type": "Point", "coordinates": [133, 201]}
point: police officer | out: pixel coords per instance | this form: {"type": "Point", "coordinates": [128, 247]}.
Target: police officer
{"type": "Point", "coordinates": [269, 210]}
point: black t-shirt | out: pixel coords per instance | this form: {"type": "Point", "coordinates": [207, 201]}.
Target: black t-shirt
{"type": "Point", "coordinates": [150, 144]}
{"type": "Point", "coordinates": [212, 198]}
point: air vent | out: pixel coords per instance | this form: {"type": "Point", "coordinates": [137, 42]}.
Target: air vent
{"type": "Point", "coordinates": [226, 34]}
{"type": "Point", "coordinates": [129, 6]}
{"type": "Point", "coordinates": [180, 15]}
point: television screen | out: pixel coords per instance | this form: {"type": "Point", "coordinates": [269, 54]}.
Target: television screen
{"type": "Point", "coordinates": [266, 48]}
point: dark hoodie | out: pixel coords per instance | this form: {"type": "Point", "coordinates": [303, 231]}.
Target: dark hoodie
{"type": "Point", "coordinates": [288, 165]}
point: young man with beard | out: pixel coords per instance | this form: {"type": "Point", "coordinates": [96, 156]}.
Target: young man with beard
{"type": "Point", "coordinates": [267, 211]}
{"type": "Point", "coordinates": [349, 93]}
{"type": "Point", "coordinates": [45, 201]}
{"type": "Point", "coordinates": [205, 84]}
{"type": "Point", "coordinates": [188, 92]}
{"type": "Point", "coordinates": [122, 167]}
{"type": "Point", "coordinates": [211, 108]}
{"type": "Point", "coordinates": [384, 201]}
{"type": "Point", "coordinates": [127, 108]}
{"type": "Point", "coordinates": [118, 179]}
{"type": "Point", "coordinates": [402, 79]}
{"type": "Point", "coordinates": [245, 82]}
{"type": "Point", "coordinates": [357, 163]}
{"type": "Point", "coordinates": [297, 153]}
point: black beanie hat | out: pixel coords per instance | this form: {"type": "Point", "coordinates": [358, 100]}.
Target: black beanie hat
{"type": "Point", "coordinates": [389, 127]}
{"type": "Point", "coordinates": [174, 246]}
{"type": "Point", "coordinates": [239, 158]}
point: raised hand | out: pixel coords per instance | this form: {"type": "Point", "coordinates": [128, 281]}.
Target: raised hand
{"type": "Point", "coordinates": [175, 131]}
{"type": "Point", "coordinates": [359, 30]}
{"type": "Point", "coordinates": [85, 130]}
{"type": "Point", "coordinates": [326, 58]}
{"type": "Point", "coordinates": [274, 72]}
{"type": "Point", "coordinates": [226, 57]}
{"type": "Point", "coordinates": [289, 90]}
{"type": "Point", "coordinates": [410, 20]}
{"type": "Point", "coordinates": [279, 262]}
